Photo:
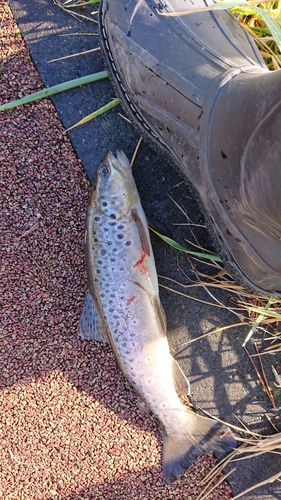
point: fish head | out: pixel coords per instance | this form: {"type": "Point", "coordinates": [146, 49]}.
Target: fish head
{"type": "Point", "coordinates": [114, 192]}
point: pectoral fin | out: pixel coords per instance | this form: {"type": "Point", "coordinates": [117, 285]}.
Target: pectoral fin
{"type": "Point", "coordinates": [142, 232]}
{"type": "Point", "coordinates": [91, 323]}
{"type": "Point", "coordinates": [182, 384]}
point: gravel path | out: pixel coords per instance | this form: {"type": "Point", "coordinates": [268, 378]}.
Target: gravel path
{"type": "Point", "coordinates": [69, 424]}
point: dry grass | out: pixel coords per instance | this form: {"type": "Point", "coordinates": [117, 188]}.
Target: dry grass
{"type": "Point", "coordinates": [251, 447]}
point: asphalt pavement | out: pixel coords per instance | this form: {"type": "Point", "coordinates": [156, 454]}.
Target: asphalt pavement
{"type": "Point", "coordinates": [223, 381]}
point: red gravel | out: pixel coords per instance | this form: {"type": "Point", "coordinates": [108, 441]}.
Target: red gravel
{"type": "Point", "coordinates": [69, 424]}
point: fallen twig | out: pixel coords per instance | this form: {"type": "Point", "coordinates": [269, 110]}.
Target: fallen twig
{"type": "Point", "coordinates": [263, 383]}
{"type": "Point", "coordinates": [27, 232]}
{"type": "Point", "coordinates": [136, 152]}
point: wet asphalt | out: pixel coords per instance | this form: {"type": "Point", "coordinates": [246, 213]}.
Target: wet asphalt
{"type": "Point", "coordinates": [223, 381]}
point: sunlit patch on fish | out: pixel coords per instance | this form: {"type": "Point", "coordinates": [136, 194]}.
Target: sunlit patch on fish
{"type": "Point", "coordinates": [123, 308]}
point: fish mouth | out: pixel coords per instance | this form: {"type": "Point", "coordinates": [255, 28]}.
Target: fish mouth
{"type": "Point", "coordinates": [122, 158]}
{"type": "Point", "coordinates": [119, 162]}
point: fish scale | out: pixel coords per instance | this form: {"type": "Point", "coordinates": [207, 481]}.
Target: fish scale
{"type": "Point", "coordinates": [122, 307]}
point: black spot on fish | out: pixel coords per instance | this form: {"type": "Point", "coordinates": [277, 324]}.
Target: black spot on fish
{"type": "Point", "coordinates": [96, 218]}
{"type": "Point", "coordinates": [109, 242]}
{"type": "Point", "coordinates": [104, 204]}
{"type": "Point", "coordinates": [128, 243]}
{"type": "Point", "coordinates": [113, 216]}
{"type": "Point", "coordinates": [103, 252]}
{"type": "Point", "coordinates": [112, 223]}
{"type": "Point", "coordinates": [99, 261]}
{"type": "Point", "coordinates": [113, 258]}
{"type": "Point", "coordinates": [120, 226]}
{"type": "Point", "coordinates": [120, 236]}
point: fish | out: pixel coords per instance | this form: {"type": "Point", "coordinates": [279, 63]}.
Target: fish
{"type": "Point", "coordinates": [122, 308]}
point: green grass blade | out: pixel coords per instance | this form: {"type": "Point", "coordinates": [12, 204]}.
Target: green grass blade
{"type": "Point", "coordinates": [177, 246]}
{"type": "Point", "coordinates": [271, 24]}
{"type": "Point", "coordinates": [265, 312]}
{"type": "Point", "coordinates": [278, 13]}
{"type": "Point", "coordinates": [258, 30]}
{"type": "Point", "coordinates": [89, 2]}
{"type": "Point", "coordinates": [243, 10]}
{"type": "Point", "coordinates": [96, 113]}
{"type": "Point", "coordinates": [258, 320]}
{"type": "Point", "coordinates": [61, 87]}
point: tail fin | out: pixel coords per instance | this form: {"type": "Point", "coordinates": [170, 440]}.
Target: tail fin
{"type": "Point", "coordinates": [204, 434]}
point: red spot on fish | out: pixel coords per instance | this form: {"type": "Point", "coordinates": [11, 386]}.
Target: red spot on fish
{"type": "Point", "coordinates": [130, 300]}
{"type": "Point", "coordinates": [140, 264]}
{"type": "Point", "coordinates": [133, 343]}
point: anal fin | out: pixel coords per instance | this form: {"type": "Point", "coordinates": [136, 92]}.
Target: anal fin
{"type": "Point", "coordinates": [91, 323]}
{"type": "Point", "coordinates": [182, 384]}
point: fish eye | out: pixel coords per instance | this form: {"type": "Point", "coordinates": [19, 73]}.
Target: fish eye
{"type": "Point", "coordinates": [104, 170]}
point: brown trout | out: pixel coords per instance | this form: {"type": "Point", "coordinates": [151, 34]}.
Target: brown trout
{"type": "Point", "coordinates": [122, 307]}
